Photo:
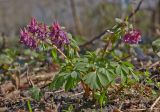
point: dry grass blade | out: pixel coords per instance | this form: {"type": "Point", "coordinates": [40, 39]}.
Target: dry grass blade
{"type": "Point", "coordinates": [153, 105]}
{"type": "Point", "coordinates": [77, 94]}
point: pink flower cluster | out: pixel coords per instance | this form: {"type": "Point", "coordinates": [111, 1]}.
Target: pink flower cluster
{"type": "Point", "coordinates": [58, 36]}
{"type": "Point", "coordinates": [36, 32]}
{"type": "Point", "coordinates": [132, 37]}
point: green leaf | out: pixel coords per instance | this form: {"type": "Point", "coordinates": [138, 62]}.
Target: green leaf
{"type": "Point", "coordinates": [103, 79]}
{"type": "Point", "coordinates": [125, 69]}
{"type": "Point", "coordinates": [113, 64]}
{"type": "Point", "coordinates": [11, 52]}
{"type": "Point", "coordinates": [122, 72]}
{"type": "Point", "coordinates": [156, 45]}
{"type": "Point", "coordinates": [69, 84]}
{"type": "Point", "coordinates": [73, 42]}
{"type": "Point", "coordinates": [128, 64]}
{"type": "Point", "coordinates": [123, 76]}
{"type": "Point", "coordinates": [5, 59]}
{"type": "Point", "coordinates": [74, 75]}
{"type": "Point", "coordinates": [112, 72]}
{"type": "Point", "coordinates": [109, 76]}
{"type": "Point", "coordinates": [118, 70]}
{"type": "Point", "coordinates": [70, 109]}
{"type": "Point", "coordinates": [31, 53]}
{"type": "Point", "coordinates": [44, 47]}
{"type": "Point", "coordinates": [71, 53]}
{"type": "Point", "coordinates": [135, 76]}
{"type": "Point", "coordinates": [58, 81]}
{"type": "Point", "coordinates": [35, 93]}
{"type": "Point", "coordinates": [118, 20]}
{"type": "Point", "coordinates": [92, 80]}
{"type": "Point", "coordinates": [106, 76]}
{"type": "Point", "coordinates": [80, 66]}
{"type": "Point", "coordinates": [101, 98]}
{"type": "Point", "coordinates": [54, 53]}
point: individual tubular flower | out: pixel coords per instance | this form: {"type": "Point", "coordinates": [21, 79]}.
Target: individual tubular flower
{"type": "Point", "coordinates": [132, 37]}
{"type": "Point", "coordinates": [55, 28]}
{"type": "Point", "coordinates": [27, 39]}
{"type": "Point", "coordinates": [33, 26]}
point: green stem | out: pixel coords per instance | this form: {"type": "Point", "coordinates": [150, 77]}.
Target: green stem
{"type": "Point", "coordinates": [29, 106]}
{"type": "Point", "coordinates": [59, 51]}
{"type": "Point", "coordinates": [105, 49]}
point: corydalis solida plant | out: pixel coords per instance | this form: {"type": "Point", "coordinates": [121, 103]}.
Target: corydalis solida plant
{"type": "Point", "coordinates": [35, 33]}
{"type": "Point", "coordinates": [93, 71]}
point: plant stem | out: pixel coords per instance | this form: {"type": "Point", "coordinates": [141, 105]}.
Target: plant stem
{"type": "Point", "coordinates": [57, 49]}
{"type": "Point", "coordinates": [60, 51]}
{"type": "Point", "coordinates": [105, 48]}
{"type": "Point", "coordinates": [29, 106]}
{"type": "Point", "coordinates": [86, 89]}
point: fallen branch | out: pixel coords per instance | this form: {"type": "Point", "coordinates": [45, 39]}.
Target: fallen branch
{"type": "Point", "coordinates": [95, 38]}
{"type": "Point", "coordinates": [136, 10]}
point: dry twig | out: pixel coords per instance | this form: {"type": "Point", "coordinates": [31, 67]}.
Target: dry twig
{"type": "Point", "coordinates": [40, 80]}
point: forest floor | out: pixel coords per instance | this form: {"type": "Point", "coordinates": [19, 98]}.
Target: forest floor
{"type": "Point", "coordinates": [15, 95]}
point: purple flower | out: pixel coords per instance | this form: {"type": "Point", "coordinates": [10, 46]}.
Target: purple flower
{"type": "Point", "coordinates": [63, 37]}
{"type": "Point", "coordinates": [54, 29]}
{"type": "Point", "coordinates": [37, 29]}
{"type": "Point", "coordinates": [27, 39]}
{"type": "Point", "coordinates": [33, 26]}
{"type": "Point", "coordinates": [58, 36]}
{"type": "Point", "coordinates": [35, 32]}
{"type": "Point", "coordinates": [42, 32]}
{"type": "Point", "coordinates": [132, 37]}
